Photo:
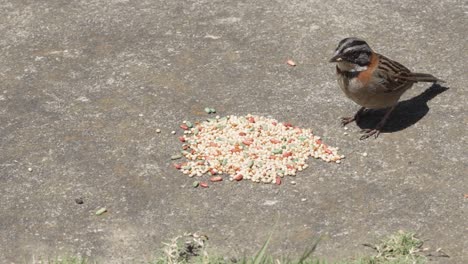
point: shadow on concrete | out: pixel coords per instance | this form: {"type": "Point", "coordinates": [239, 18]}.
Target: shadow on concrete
{"type": "Point", "coordinates": [406, 114]}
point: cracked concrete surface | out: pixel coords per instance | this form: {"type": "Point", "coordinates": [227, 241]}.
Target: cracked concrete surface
{"type": "Point", "coordinates": [85, 84]}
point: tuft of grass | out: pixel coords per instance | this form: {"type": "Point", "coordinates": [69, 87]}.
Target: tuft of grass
{"type": "Point", "coordinates": [399, 248]}
{"type": "Point", "coordinates": [63, 260]}
{"type": "Point", "coordinates": [402, 247]}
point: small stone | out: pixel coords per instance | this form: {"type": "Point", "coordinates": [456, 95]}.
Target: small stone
{"type": "Point", "coordinates": [345, 133]}
{"type": "Point", "coordinates": [364, 154]}
{"type": "Point", "coordinates": [29, 169]}
{"type": "Point", "coordinates": [303, 199]}
{"type": "Point", "coordinates": [158, 130]}
{"type": "Point", "coordinates": [79, 200]}
{"type": "Point", "coordinates": [293, 182]}
{"type": "Point", "coordinates": [173, 132]}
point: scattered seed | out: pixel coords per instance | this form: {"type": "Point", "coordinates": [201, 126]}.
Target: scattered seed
{"type": "Point", "coordinates": [364, 154]}
{"type": "Point", "coordinates": [30, 169]}
{"type": "Point", "coordinates": [303, 199]}
{"type": "Point", "coordinates": [184, 127]}
{"type": "Point", "coordinates": [204, 184]}
{"type": "Point", "coordinates": [176, 156]}
{"type": "Point", "coordinates": [173, 132]}
{"type": "Point", "coordinates": [238, 177]}
{"type": "Point", "coordinates": [278, 180]}
{"type": "Point", "coordinates": [216, 178]}
{"type": "Point", "coordinates": [293, 182]}
{"type": "Point", "coordinates": [195, 184]}
{"type": "Point", "coordinates": [182, 139]}
{"type": "Point", "coordinates": [291, 63]}
{"type": "Point", "coordinates": [101, 211]}
{"type": "Point", "coordinates": [158, 130]}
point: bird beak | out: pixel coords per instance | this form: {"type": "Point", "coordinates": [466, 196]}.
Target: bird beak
{"type": "Point", "coordinates": [336, 58]}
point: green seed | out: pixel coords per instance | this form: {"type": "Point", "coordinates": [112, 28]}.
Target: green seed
{"type": "Point", "coordinates": [186, 167]}
{"type": "Point", "coordinates": [302, 138]}
{"type": "Point", "coordinates": [195, 131]}
{"type": "Point", "coordinates": [208, 110]}
{"type": "Point", "coordinates": [101, 211]}
{"type": "Point", "coordinates": [250, 163]}
{"type": "Point", "coordinates": [277, 151]}
{"type": "Point", "coordinates": [224, 162]}
{"type": "Point", "coordinates": [281, 172]}
{"type": "Point", "coordinates": [195, 184]}
{"type": "Point", "coordinates": [189, 124]}
{"type": "Point", "coordinates": [212, 110]}
{"type": "Point", "coordinates": [176, 156]}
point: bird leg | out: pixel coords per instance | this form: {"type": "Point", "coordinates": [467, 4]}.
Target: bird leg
{"type": "Point", "coordinates": [349, 119]}
{"type": "Point", "coordinates": [376, 131]}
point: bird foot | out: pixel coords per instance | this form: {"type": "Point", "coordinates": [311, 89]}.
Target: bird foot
{"type": "Point", "coordinates": [347, 120]}
{"type": "Point", "coordinates": [370, 132]}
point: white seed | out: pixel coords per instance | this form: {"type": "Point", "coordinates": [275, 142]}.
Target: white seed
{"type": "Point", "coordinates": [158, 130]}
{"type": "Point", "coordinates": [364, 154]}
{"type": "Point", "coordinates": [30, 169]}
{"type": "Point", "coordinates": [173, 132]}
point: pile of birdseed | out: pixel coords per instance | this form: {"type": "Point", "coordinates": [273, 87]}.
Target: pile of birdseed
{"type": "Point", "coordinates": [250, 147]}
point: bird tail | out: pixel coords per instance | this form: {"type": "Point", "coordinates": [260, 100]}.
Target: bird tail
{"type": "Point", "coordinates": [419, 77]}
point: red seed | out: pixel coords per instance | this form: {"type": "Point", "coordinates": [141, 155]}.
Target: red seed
{"type": "Point", "coordinates": [184, 127]}
{"type": "Point", "coordinates": [238, 177]}
{"type": "Point", "coordinates": [242, 134]}
{"type": "Point", "coordinates": [185, 147]}
{"type": "Point", "coordinates": [287, 124]}
{"type": "Point", "coordinates": [182, 139]}
{"type": "Point", "coordinates": [274, 123]}
{"type": "Point", "coordinates": [275, 141]}
{"type": "Point", "coordinates": [212, 172]}
{"type": "Point", "coordinates": [248, 141]}
{"type": "Point", "coordinates": [291, 140]}
{"type": "Point", "coordinates": [251, 119]}
{"type": "Point", "coordinates": [204, 184]}
{"type": "Point", "coordinates": [318, 141]}
{"type": "Point", "coordinates": [278, 180]}
{"type": "Point", "coordinates": [216, 178]}
{"type": "Point", "coordinates": [177, 166]}
{"type": "Point", "coordinates": [287, 154]}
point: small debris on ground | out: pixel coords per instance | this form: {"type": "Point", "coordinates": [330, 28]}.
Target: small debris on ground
{"type": "Point", "coordinates": [79, 200]}
{"type": "Point", "coordinates": [291, 63]}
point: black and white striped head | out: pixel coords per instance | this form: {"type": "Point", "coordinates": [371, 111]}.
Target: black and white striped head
{"type": "Point", "coordinates": [353, 50]}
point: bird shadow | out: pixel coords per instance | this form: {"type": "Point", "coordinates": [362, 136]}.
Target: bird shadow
{"type": "Point", "coordinates": [405, 114]}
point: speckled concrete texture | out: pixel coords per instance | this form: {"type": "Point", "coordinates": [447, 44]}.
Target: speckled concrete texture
{"type": "Point", "coordinates": [85, 84]}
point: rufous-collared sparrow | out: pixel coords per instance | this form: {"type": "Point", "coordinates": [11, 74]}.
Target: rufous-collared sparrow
{"type": "Point", "coordinates": [372, 80]}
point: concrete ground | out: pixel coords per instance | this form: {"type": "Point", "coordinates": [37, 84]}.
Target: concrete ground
{"type": "Point", "coordinates": [85, 84]}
